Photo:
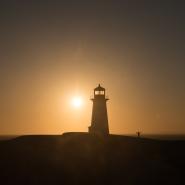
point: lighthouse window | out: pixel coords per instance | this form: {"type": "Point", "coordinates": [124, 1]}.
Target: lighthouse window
{"type": "Point", "coordinates": [102, 92]}
{"type": "Point", "coordinates": [99, 92]}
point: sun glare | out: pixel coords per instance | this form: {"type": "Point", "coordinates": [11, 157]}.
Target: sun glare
{"type": "Point", "coordinates": [76, 102]}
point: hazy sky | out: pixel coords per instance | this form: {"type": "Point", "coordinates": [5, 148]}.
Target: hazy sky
{"type": "Point", "coordinates": [53, 50]}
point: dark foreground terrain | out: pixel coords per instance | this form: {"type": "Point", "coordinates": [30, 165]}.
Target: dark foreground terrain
{"type": "Point", "coordinates": [79, 158]}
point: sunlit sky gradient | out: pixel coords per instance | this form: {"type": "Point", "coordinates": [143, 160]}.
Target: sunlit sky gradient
{"type": "Point", "coordinates": [53, 50]}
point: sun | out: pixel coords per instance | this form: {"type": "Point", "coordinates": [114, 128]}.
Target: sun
{"type": "Point", "coordinates": [77, 102]}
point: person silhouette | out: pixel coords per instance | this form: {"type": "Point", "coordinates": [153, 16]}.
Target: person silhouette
{"type": "Point", "coordinates": [138, 134]}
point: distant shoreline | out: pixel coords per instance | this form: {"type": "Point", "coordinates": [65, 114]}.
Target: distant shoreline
{"type": "Point", "coordinates": [150, 136]}
{"type": "Point", "coordinates": [7, 137]}
{"type": "Point", "coordinates": [162, 136]}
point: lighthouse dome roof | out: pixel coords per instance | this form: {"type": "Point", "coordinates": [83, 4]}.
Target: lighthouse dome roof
{"type": "Point", "coordinates": [99, 88]}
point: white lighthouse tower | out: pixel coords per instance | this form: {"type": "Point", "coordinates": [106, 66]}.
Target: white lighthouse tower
{"type": "Point", "coordinates": [99, 121]}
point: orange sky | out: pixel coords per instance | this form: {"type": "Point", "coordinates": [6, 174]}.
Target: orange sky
{"type": "Point", "coordinates": [39, 102]}
{"type": "Point", "coordinates": [52, 51]}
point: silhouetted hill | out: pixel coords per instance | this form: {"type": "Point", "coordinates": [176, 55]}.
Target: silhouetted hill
{"type": "Point", "coordinates": [80, 158]}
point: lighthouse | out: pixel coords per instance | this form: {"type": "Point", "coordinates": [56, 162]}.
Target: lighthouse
{"type": "Point", "coordinates": [99, 120]}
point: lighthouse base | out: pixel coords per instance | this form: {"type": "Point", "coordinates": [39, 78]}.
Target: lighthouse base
{"type": "Point", "coordinates": [98, 131]}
